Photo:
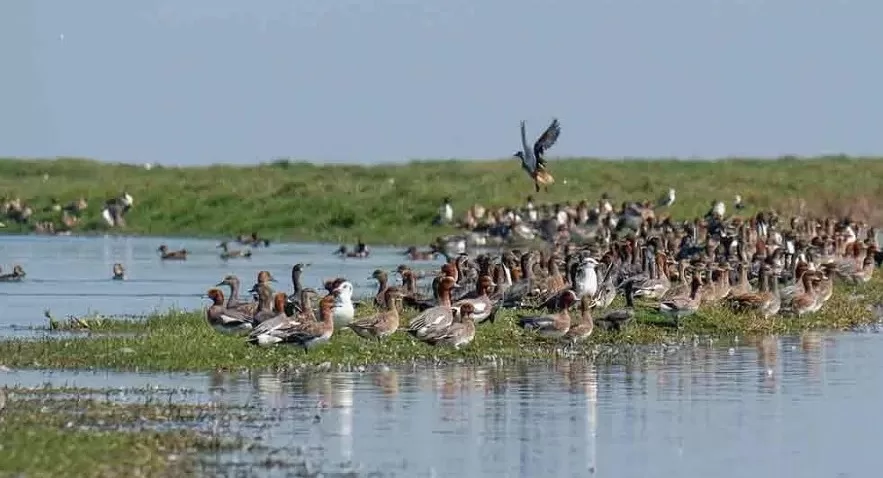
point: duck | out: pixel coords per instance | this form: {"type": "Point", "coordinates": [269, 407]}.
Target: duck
{"type": "Point", "coordinates": [225, 320]}
{"type": "Point", "coordinates": [765, 302]}
{"type": "Point", "coordinates": [167, 255]}
{"type": "Point", "coordinates": [343, 310]}
{"type": "Point", "coordinates": [119, 272]}
{"type": "Point", "coordinates": [297, 272]}
{"type": "Point", "coordinates": [415, 255]}
{"type": "Point", "coordinates": [617, 320]}
{"type": "Point", "coordinates": [232, 282]}
{"type": "Point", "coordinates": [585, 281]}
{"type": "Point", "coordinates": [304, 334]}
{"type": "Point", "coordinates": [482, 306]}
{"type": "Point", "coordinates": [431, 321]}
{"type": "Point", "coordinates": [459, 333]}
{"type": "Point", "coordinates": [805, 302]}
{"type": "Point", "coordinates": [252, 240]}
{"type": "Point", "coordinates": [227, 253]}
{"type": "Point", "coordinates": [585, 326]}
{"type": "Point", "coordinates": [17, 274]}
{"type": "Point", "coordinates": [270, 305]}
{"type": "Point", "coordinates": [532, 160]}
{"type": "Point", "coordinates": [679, 307]}
{"type": "Point", "coordinates": [382, 324]}
{"type": "Point", "coordinates": [361, 251]}
{"type": "Point", "coordinates": [382, 279]}
{"type": "Point", "coordinates": [655, 286]}
{"type": "Point", "coordinates": [553, 325]}
{"type": "Point", "coordinates": [606, 291]}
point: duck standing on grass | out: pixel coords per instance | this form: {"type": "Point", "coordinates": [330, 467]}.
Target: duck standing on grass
{"type": "Point", "coordinates": [383, 324]}
{"type": "Point", "coordinates": [225, 320]}
{"type": "Point", "coordinates": [305, 334]}
{"type": "Point", "coordinates": [532, 159]}
{"type": "Point", "coordinates": [461, 332]}
{"type": "Point", "coordinates": [553, 325]}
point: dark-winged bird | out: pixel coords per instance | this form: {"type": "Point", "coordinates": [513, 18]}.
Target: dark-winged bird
{"type": "Point", "coordinates": [532, 158]}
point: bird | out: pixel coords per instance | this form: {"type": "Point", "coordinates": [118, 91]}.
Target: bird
{"type": "Point", "coordinates": [532, 159]}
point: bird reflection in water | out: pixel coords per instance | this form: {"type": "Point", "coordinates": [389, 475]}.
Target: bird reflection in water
{"type": "Point", "coordinates": [812, 347]}
{"type": "Point", "coordinates": [767, 363]}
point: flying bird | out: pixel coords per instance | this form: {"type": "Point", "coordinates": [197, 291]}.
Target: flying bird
{"type": "Point", "coordinates": [532, 159]}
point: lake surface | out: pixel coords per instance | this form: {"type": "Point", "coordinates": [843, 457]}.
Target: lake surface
{"type": "Point", "coordinates": [71, 275]}
{"type": "Point", "coordinates": [779, 406]}
{"type": "Point", "coordinates": [803, 406]}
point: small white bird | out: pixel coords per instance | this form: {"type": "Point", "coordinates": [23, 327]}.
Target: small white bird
{"type": "Point", "coordinates": [666, 201]}
{"type": "Point", "coordinates": [737, 203]}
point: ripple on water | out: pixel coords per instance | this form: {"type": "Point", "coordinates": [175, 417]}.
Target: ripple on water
{"type": "Point", "coordinates": [803, 405]}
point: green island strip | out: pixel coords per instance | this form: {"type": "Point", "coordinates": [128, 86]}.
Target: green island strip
{"type": "Point", "coordinates": [395, 203]}
{"type": "Point", "coordinates": [183, 341]}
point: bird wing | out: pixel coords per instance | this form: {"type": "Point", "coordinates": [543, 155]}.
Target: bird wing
{"type": "Point", "coordinates": [528, 159]}
{"type": "Point", "coordinates": [233, 316]}
{"type": "Point", "coordinates": [546, 141]}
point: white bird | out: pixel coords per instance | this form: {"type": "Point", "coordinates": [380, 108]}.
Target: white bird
{"type": "Point", "coordinates": [343, 311]}
{"type": "Point", "coordinates": [666, 201]}
{"type": "Point", "coordinates": [586, 281]}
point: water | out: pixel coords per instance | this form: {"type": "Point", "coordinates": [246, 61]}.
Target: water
{"type": "Point", "coordinates": [781, 406]}
{"type": "Point", "coordinates": [71, 275]}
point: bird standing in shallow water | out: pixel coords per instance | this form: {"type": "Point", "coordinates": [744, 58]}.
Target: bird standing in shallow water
{"type": "Point", "coordinates": [532, 159]}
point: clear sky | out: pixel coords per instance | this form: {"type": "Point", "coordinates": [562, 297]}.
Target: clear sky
{"type": "Point", "coordinates": [201, 81]}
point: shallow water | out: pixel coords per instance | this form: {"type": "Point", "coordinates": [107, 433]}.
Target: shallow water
{"type": "Point", "coordinates": [71, 275]}
{"type": "Point", "coordinates": [781, 406]}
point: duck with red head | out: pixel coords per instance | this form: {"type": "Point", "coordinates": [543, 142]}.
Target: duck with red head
{"type": "Point", "coordinates": [553, 325]}
{"type": "Point", "coordinates": [223, 319]}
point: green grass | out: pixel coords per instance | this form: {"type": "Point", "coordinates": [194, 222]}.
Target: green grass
{"type": "Point", "coordinates": [42, 434]}
{"type": "Point", "coordinates": [395, 204]}
{"type": "Point", "coordinates": [184, 342]}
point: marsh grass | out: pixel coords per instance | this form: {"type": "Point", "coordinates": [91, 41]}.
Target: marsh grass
{"type": "Point", "coordinates": [184, 342]}
{"type": "Point", "coordinates": [44, 435]}
{"type": "Point", "coordinates": [395, 204]}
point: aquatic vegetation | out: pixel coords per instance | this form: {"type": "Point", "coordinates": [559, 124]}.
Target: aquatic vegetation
{"type": "Point", "coordinates": [159, 343]}
{"type": "Point", "coordinates": [390, 203]}
{"type": "Point", "coordinates": [42, 434]}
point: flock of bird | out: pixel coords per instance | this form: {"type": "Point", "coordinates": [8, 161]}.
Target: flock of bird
{"type": "Point", "coordinates": [761, 265]}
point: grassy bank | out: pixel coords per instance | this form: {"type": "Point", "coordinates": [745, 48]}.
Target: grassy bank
{"type": "Point", "coordinates": [47, 432]}
{"type": "Point", "coordinates": [184, 342]}
{"type": "Point", "coordinates": [395, 204]}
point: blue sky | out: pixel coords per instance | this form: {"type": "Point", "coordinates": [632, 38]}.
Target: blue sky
{"type": "Point", "coordinates": [202, 81]}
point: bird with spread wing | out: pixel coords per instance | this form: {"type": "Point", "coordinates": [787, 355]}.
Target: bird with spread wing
{"type": "Point", "coordinates": [532, 159]}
